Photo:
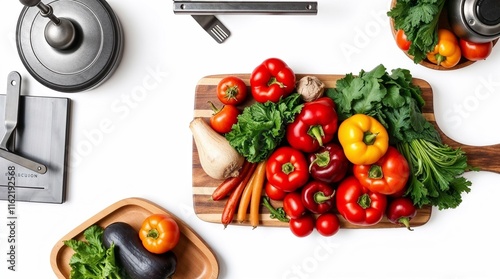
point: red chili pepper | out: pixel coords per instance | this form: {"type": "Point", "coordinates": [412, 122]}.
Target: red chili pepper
{"type": "Point", "coordinates": [287, 169]}
{"type": "Point", "coordinates": [387, 176]}
{"type": "Point", "coordinates": [271, 80]}
{"type": "Point", "coordinates": [315, 125]}
{"type": "Point", "coordinates": [318, 196]}
{"type": "Point", "coordinates": [401, 211]}
{"type": "Point", "coordinates": [329, 163]}
{"type": "Point", "coordinates": [358, 205]}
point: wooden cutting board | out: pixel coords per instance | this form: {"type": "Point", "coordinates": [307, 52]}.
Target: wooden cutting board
{"type": "Point", "coordinates": [203, 185]}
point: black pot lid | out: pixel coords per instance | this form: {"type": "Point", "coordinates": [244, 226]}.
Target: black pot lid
{"type": "Point", "coordinates": [91, 58]}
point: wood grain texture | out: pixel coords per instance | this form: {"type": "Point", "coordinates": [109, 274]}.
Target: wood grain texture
{"type": "Point", "coordinates": [203, 185]}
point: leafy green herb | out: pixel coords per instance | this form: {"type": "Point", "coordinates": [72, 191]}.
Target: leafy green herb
{"type": "Point", "coordinates": [419, 20]}
{"type": "Point", "coordinates": [396, 102]}
{"type": "Point", "coordinates": [391, 98]}
{"type": "Point", "coordinates": [437, 169]}
{"type": "Point", "coordinates": [91, 259]}
{"type": "Point", "coordinates": [261, 127]}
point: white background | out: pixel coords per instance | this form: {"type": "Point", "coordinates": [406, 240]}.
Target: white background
{"type": "Point", "coordinates": [147, 153]}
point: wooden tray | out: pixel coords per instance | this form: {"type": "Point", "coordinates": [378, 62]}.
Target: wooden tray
{"type": "Point", "coordinates": [194, 258]}
{"type": "Point", "coordinates": [203, 185]}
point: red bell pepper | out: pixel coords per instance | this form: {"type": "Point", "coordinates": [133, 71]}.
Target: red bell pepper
{"type": "Point", "coordinates": [358, 205]}
{"type": "Point", "coordinates": [329, 164]}
{"type": "Point", "coordinates": [387, 176]}
{"type": "Point", "coordinates": [315, 125]}
{"type": "Point", "coordinates": [271, 80]}
{"type": "Point", "coordinates": [287, 169]}
{"type": "Point", "coordinates": [318, 196]}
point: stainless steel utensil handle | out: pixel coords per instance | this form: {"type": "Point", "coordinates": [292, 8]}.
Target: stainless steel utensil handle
{"type": "Point", "coordinates": [244, 7]}
{"type": "Point", "coordinates": [11, 107]}
{"type": "Point", "coordinates": [22, 161]}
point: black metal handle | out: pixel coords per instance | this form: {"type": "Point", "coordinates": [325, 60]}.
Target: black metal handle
{"type": "Point", "coordinates": [244, 7]}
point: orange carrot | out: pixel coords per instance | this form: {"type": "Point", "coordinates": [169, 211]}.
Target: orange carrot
{"type": "Point", "coordinates": [229, 184]}
{"type": "Point", "coordinates": [233, 200]}
{"type": "Point", "coordinates": [245, 200]}
{"type": "Point", "coordinates": [257, 188]}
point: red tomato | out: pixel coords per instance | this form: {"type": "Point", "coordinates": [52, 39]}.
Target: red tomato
{"type": "Point", "coordinates": [327, 224]}
{"type": "Point", "coordinates": [231, 90]}
{"type": "Point", "coordinates": [293, 206]}
{"type": "Point", "coordinates": [274, 193]}
{"type": "Point", "coordinates": [475, 51]}
{"type": "Point", "coordinates": [223, 120]}
{"type": "Point", "coordinates": [402, 41]}
{"type": "Point", "coordinates": [302, 226]}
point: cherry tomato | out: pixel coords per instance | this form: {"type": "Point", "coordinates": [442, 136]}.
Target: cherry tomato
{"type": "Point", "coordinates": [223, 119]}
{"type": "Point", "coordinates": [231, 90]}
{"type": "Point", "coordinates": [475, 51]}
{"type": "Point", "coordinates": [274, 193]}
{"type": "Point", "coordinates": [293, 206]}
{"type": "Point", "coordinates": [327, 224]}
{"type": "Point", "coordinates": [302, 226]}
{"type": "Point", "coordinates": [402, 41]}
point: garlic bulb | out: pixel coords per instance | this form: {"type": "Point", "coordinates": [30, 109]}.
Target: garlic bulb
{"type": "Point", "coordinates": [310, 88]}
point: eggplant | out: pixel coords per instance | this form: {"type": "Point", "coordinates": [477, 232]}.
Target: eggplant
{"type": "Point", "coordinates": [131, 255]}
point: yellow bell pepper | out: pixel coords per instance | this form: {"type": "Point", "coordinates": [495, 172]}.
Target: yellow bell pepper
{"type": "Point", "coordinates": [363, 138]}
{"type": "Point", "coordinates": [447, 51]}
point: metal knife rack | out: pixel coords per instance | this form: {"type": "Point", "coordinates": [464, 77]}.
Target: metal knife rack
{"type": "Point", "coordinates": [245, 7]}
{"type": "Point", "coordinates": [204, 12]}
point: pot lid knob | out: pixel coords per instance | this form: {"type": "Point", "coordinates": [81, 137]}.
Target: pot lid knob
{"type": "Point", "coordinates": [59, 32]}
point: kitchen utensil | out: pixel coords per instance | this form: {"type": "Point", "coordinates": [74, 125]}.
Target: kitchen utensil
{"type": "Point", "coordinates": [11, 115]}
{"type": "Point", "coordinates": [195, 259]}
{"type": "Point", "coordinates": [213, 26]}
{"type": "Point", "coordinates": [244, 7]}
{"type": "Point", "coordinates": [59, 32]}
{"type": "Point", "coordinates": [38, 133]}
{"type": "Point", "coordinates": [23, 161]}
{"type": "Point", "coordinates": [76, 50]}
{"type": "Point", "coordinates": [11, 107]}
{"type": "Point", "coordinates": [475, 20]}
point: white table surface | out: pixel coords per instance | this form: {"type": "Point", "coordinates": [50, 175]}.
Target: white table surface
{"type": "Point", "coordinates": [149, 145]}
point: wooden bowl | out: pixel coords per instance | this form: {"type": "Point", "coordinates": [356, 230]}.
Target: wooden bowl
{"type": "Point", "coordinates": [443, 23]}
